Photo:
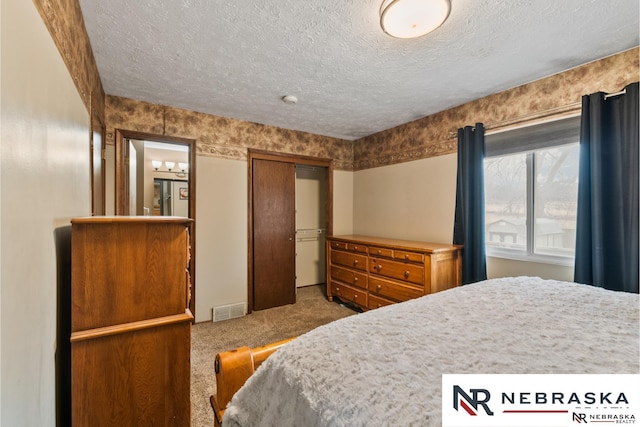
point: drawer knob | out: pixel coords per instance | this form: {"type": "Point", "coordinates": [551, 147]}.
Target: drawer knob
{"type": "Point", "coordinates": [355, 279]}
{"type": "Point", "coordinates": [379, 251]}
{"type": "Point", "coordinates": [378, 287]}
{"type": "Point", "coordinates": [406, 274]}
{"type": "Point", "coordinates": [379, 267]}
{"type": "Point", "coordinates": [355, 262]}
{"type": "Point", "coordinates": [355, 248]}
{"type": "Point", "coordinates": [356, 296]}
{"type": "Point", "coordinates": [406, 256]}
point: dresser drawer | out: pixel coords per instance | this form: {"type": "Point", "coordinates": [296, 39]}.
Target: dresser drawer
{"type": "Point", "coordinates": [355, 247]}
{"type": "Point", "coordinates": [397, 270]}
{"type": "Point", "coordinates": [338, 245]}
{"type": "Point", "coordinates": [408, 256]}
{"type": "Point", "coordinates": [382, 252]}
{"type": "Point", "coordinates": [347, 293]}
{"type": "Point", "coordinates": [394, 290]}
{"type": "Point", "coordinates": [348, 259]}
{"type": "Point", "coordinates": [349, 277]}
{"type": "Point", "coordinates": [377, 302]}
{"type": "Point", "coordinates": [349, 246]}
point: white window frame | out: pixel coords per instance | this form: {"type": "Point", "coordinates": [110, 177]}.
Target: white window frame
{"type": "Point", "coordinates": [560, 131]}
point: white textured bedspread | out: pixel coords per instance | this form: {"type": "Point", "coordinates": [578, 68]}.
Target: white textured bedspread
{"type": "Point", "coordinates": [384, 367]}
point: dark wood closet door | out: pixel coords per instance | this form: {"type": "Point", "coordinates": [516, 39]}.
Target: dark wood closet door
{"type": "Point", "coordinates": [273, 234]}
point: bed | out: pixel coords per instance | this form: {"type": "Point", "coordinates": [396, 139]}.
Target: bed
{"type": "Point", "coordinates": [384, 367]}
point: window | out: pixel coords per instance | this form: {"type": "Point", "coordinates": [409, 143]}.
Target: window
{"type": "Point", "coordinates": [531, 187]}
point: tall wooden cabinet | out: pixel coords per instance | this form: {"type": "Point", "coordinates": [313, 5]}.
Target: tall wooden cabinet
{"type": "Point", "coordinates": [371, 272]}
{"type": "Point", "coordinates": [130, 322]}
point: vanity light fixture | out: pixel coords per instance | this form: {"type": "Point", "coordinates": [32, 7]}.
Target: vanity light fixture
{"type": "Point", "coordinates": [183, 167]}
{"type": "Point", "coordinates": [407, 19]}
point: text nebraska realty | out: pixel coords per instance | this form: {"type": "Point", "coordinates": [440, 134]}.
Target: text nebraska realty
{"type": "Point", "coordinates": [559, 398]}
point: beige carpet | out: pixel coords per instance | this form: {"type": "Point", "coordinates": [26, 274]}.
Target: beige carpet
{"type": "Point", "coordinates": [259, 328]}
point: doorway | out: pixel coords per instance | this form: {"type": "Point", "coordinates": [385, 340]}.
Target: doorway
{"type": "Point", "coordinates": [140, 159]}
{"type": "Point", "coordinates": [311, 190]}
{"type": "Point", "coordinates": [272, 224]}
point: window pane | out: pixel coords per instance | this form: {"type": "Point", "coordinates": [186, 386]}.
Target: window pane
{"type": "Point", "coordinates": [555, 200]}
{"type": "Point", "coordinates": [505, 201]}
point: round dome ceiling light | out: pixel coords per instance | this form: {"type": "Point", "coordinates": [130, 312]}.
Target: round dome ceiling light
{"type": "Point", "coordinates": [289, 99]}
{"type": "Point", "coordinates": [407, 19]}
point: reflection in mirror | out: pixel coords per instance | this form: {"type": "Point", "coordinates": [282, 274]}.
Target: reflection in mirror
{"type": "Point", "coordinates": [158, 178]}
{"type": "Point", "coordinates": [170, 197]}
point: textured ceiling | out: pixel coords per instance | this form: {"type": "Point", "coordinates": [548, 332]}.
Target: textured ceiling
{"type": "Point", "coordinates": [237, 58]}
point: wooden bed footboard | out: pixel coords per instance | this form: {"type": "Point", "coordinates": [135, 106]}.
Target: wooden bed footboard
{"type": "Point", "coordinates": [233, 368]}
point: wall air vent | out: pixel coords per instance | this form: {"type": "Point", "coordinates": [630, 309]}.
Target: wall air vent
{"type": "Point", "coordinates": [226, 312]}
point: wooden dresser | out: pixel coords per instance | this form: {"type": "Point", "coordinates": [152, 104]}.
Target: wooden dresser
{"type": "Point", "coordinates": [371, 272]}
{"type": "Point", "coordinates": [130, 322]}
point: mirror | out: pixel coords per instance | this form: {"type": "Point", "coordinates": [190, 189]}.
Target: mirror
{"type": "Point", "coordinates": [158, 176]}
{"type": "Point", "coordinates": [155, 177]}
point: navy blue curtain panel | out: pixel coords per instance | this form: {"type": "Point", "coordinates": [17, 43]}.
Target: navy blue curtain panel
{"type": "Point", "coordinates": [607, 223]}
{"type": "Point", "coordinates": [468, 228]}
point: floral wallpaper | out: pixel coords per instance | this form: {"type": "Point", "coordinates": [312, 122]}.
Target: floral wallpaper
{"type": "Point", "coordinates": [436, 134]}
{"type": "Point", "coordinates": [63, 19]}
{"type": "Point", "coordinates": [229, 138]}
{"type": "Point", "coordinates": [221, 136]}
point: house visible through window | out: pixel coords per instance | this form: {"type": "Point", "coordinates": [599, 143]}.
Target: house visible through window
{"type": "Point", "coordinates": [531, 186]}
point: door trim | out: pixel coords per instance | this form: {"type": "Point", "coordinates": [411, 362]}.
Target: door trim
{"type": "Point", "coordinates": [122, 189]}
{"type": "Point", "coordinates": [287, 158]}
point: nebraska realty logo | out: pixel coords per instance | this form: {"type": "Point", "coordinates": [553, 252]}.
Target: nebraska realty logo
{"type": "Point", "coordinates": [539, 400]}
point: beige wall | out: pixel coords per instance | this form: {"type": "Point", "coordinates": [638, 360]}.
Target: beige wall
{"type": "Point", "coordinates": [45, 182]}
{"type": "Point", "coordinates": [500, 267]}
{"type": "Point", "coordinates": [413, 200]}
{"type": "Point", "coordinates": [342, 202]}
{"type": "Point", "coordinates": [221, 234]}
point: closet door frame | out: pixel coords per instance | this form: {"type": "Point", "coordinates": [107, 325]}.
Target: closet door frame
{"type": "Point", "coordinates": [287, 158]}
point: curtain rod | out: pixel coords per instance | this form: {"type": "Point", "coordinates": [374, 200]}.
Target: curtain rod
{"type": "Point", "coordinates": [611, 95]}
{"type": "Point", "coordinates": [550, 114]}
{"type": "Point", "coordinates": [539, 117]}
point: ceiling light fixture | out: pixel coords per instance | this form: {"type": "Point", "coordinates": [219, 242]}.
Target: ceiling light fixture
{"type": "Point", "coordinates": [407, 19]}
